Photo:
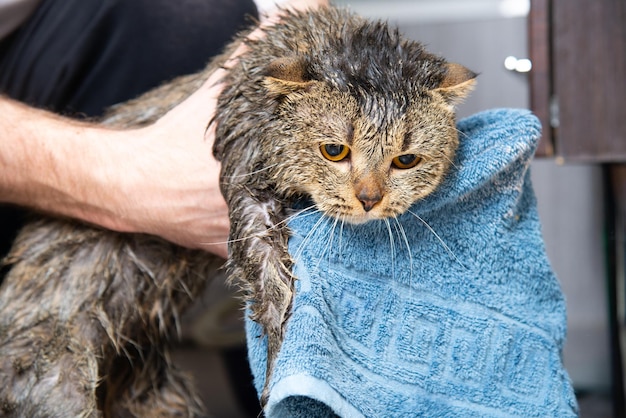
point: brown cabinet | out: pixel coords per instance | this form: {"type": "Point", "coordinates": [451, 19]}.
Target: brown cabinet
{"type": "Point", "coordinates": [578, 90]}
{"type": "Point", "coordinates": [578, 80]}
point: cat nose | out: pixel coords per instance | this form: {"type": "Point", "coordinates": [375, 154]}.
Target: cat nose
{"type": "Point", "coordinates": [369, 200]}
{"type": "Point", "coordinates": [369, 192]}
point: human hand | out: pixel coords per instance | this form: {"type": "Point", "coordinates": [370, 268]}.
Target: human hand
{"type": "Point", "coordinates": [196, 215]}
{"type": "Point", "coordinates": [170, 183]}
{"type": "Point", "coordinates": [189, 209]}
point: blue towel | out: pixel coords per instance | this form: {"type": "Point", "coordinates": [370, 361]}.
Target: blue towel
{"type": "Point", "coordinates": [455, 313]}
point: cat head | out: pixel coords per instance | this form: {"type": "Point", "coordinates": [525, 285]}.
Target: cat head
{"type": "Point", "coordinates": [354, 116]}
{"type": "Point", "coordinates": [367, 151]}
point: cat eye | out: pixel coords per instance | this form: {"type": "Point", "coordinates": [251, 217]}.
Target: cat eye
{"type": "Point", "coordinates": [334, 152]}
{"type": "Point", "coordinates": [406, 161]}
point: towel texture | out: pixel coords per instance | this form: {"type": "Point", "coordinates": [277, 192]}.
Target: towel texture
{"type": "Point", "coordinates": [452, 311]}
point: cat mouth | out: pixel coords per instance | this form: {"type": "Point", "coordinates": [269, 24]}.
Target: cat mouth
{"type": "Point", "coordinates": [360, 218]}
{"type": "Point", "coordinates": [353, 214]}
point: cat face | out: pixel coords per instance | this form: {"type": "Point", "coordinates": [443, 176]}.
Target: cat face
{"type": "Point", "coordinates": [366, 156]}
{"type": "Point", "coordinates": [363, 162]}
{"type": "Point", "coordinates": [349, 114]}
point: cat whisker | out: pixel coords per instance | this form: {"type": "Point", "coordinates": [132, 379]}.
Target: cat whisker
{"type": "Point", "coordinates": [332, 236]}
{"type": "Point", "coordinates": [462, 134]}
{"type": "Point", "coordinates": [451, 161]}
{"type": "Point", "coordinates": [236, 179]}
{"type": "Point", "coordinates": [230, 241]}
{"type": "Point", "coordinates": [251, 173]}
{"type": "Point", "coordinates": [308, 237]}
{"type": "Point", "coordinates": [402, 234]}
{"type": "Point", "coordinates": [328, 246]}
{"type": "Point", "coordinates": [438, 238]}
{"type": "Point", "coordinates": [343, 222]}
{"type": "Point", "coordinates": [340, 223]}
{"type": "Point", "coordinates": [392, 249]}
{"type": "Point", "coordinates": [278, 224]}
{"type": "Point", "coordinates": [300, 213]}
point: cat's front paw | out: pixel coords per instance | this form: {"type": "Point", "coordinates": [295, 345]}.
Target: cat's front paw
{"type": "Point", "coordinates": [259, 259]}
{"type": "Point", "coordinates": [271, 308]}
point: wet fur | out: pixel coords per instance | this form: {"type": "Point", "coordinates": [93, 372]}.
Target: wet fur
{"type": "Point", "coordinates": [87, 315]}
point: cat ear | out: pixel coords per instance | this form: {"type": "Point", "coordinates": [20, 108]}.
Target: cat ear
{"type": "Point", "coordinates": [286, 75]}
{"type": "Point", "coordinates": [457, 83]}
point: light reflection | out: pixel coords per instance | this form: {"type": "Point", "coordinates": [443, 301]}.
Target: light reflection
{"type": "Point", "coordinates": [520, 65]}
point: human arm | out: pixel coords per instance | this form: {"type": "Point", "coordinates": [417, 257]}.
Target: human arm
{"type": "Point", "coordinates": [161, 179]}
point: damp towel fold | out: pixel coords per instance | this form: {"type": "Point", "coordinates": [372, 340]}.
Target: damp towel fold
{"type": "Point", "coordinates": [455, 313]}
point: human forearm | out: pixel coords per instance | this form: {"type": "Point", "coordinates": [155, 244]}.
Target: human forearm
{"type": "Point", "coordinates": [160, 180]}
{"type": "Point", "coordinates": [47, 162]}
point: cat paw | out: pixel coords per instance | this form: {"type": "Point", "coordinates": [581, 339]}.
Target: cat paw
{"type": "Point", "coordinates": [271, 308]}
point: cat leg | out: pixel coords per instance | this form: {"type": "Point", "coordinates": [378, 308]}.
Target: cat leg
{"type": "Point", "coordinates": [260, 260]}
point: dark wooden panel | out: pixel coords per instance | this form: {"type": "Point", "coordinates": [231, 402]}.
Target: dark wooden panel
{"type": "Point", "coordinates": [539, 76]}
{"type": "Point", "coordinates": [589, 73]}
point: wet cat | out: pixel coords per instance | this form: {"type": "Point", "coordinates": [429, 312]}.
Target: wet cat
{"type": "Point", "coordinates": [325, 106]}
